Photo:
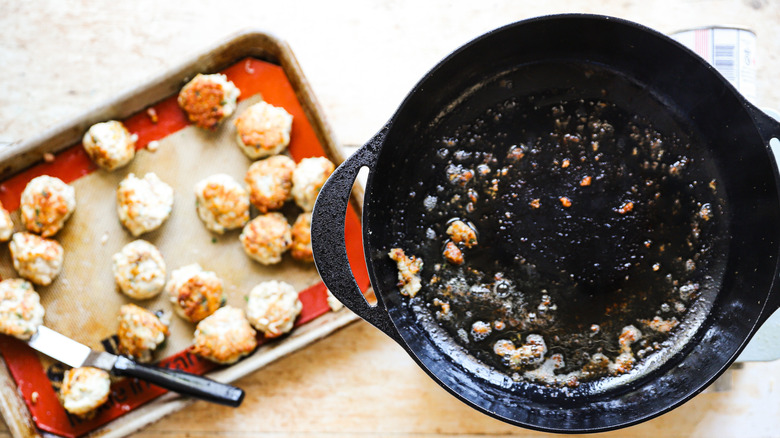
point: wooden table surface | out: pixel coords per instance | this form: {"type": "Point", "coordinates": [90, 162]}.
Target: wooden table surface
{"type": "Point", "coordinates": [57, 59]}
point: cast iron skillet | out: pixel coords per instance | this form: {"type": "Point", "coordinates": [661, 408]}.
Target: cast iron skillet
{"type": "Point", "coordinates": [679, 85]}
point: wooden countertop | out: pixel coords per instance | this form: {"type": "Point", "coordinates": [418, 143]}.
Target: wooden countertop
{"type": "Point", "coordinates": [58, 59]}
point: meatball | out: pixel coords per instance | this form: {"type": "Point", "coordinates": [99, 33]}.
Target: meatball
{"type": "Point", "coordinates": [195, 293]}
{"type": "Point", "coordinates": [20, 308]}
{"type": "Point", "coordinates": [270, 182]}
{"type": "Point", "coordinates": [272, 308]}
{"type": "Point", "coordinates": [222, 203]}
{"type": "Point", "coordinates": [140, 332]}
{"type": "Point", "coordinates": [301, 238]}
{"type": "Point", "coordinates": [308, 178]}
{"type": "Point", "coordinates": [139, 270]}
{"type": "Point", "coordinates": [84, 389]}
{"type": "Point", "coordinates": [224, 337]}
{"type": "Point", "coordinates": [333, 302]}
{"type": "Point", "coordinates": [6, 224]}
{"type": "Point", "coordinates": [143, 204]}
{"type": "Point", "coordinates": [266, 238]}
{"type": "Point", "coordinates": [263, 130]}
{"type": "Point", "coordinates": [46, 204]}
{"type": "Point", "coordinates": [208, 99]}
{"type": "Point", "coordinates": [36, 258]}
{"type": "Point", "coordinates": [109, 144]}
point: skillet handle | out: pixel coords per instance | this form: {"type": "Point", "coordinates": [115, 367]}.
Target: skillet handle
{"type": "Point", "coordinates": [769, 128]}
{"type": "Point", "coordinates": [328, 245]}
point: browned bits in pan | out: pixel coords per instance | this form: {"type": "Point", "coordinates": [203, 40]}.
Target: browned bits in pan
{"type": "Point", "coordinates": [705, 212]}
{"type": "Point", "coordinates": [661, 325]}
{"type": "Point", "coordinates": [566, 202]}
{"type": "Point", "coordinates": [408, 272]}
{"type": "Point", "coordinates": [625, 207]}
{"type": "Point", "coordinates": [585, 181]}
{"type": "Point", "coordinates": [453, 254]}
{"type": "Point", "coordinates": [535, 203]}
{"type": "Point", "coordinates": [459, 175]}
{"type": "Point", "coordinates": [568, 138]}
{"type": "Point", "coordinates": [460, 232]}
{"type": "Point", "coordinates": [565, 163]}
{"type": "Point", "coordinates": [444, 306]}
{"type": "Point", "coordinates": [515, 153]}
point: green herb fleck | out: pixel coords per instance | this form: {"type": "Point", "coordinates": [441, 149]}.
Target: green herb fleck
{"type": "Point", "coordinates": [213, 240]}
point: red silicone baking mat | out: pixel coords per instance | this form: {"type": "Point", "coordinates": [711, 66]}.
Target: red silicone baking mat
{"type": "Point", "coordinates": [253, 77]}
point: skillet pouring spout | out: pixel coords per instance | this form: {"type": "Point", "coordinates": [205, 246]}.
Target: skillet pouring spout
{"type": "Point", "coordinates": [666, 204]}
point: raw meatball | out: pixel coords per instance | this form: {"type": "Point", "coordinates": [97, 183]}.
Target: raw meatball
{"type": "Point", "coordinates": [301, 238]}
{"type": "Point", "coordinates": [266, 238]}
{"type": "Point", "coordinates": [195, 293]}
{"type": "Point", "coordinates": [263, 130]}
{"type": "Point", "coordinates": [6, 224]}
{"type": "Point", "coordinates": [208, 99]}
{"type": "Point", "coordinates": [35, 258]}
{"type": "Point", "coordinates": [20, 308]}
{"type": "Point", "coordinates": [84, 389]}
{"type": "Point", "coordinates": [222, 203]}
{"type": "Point", "coordinates": [143, 204]}
{"type": "Point", "coordinates": [46, 204]}
{"type": "Point", "coordinates": [140, 332]}
{"type": "Point", "coordinates": [308, 178]}
{"type": "Point", "coordinates": [139, 270]}
{"type": "Point", "coordinates": [270, 182]}
{"type": "Point", "coordinates": [272, 308]}
{"type": "Point", "coordinates": [109, 144]}
{"type": "Point", "coordinates": [225, 336]}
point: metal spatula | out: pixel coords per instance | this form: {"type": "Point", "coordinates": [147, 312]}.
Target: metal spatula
{"type": "Point", "coordinates": [74, 354]}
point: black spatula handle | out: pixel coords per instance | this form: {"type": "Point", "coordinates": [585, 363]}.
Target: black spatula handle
{"type": "Point", "coordinates": [181, 382]}
{"type": "Point", "coordinates": [327, 231]}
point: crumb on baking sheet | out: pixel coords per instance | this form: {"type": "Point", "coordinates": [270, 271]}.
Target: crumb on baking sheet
{"type": "Point", "coordinates": [152, 113]}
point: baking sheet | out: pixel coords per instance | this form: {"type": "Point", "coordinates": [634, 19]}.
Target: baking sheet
{"type": "Point", "coordinates": [83, 302]}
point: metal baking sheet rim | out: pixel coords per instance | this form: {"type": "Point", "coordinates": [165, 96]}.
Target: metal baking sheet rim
{"type": "Point", "coordinates": [16, 157]}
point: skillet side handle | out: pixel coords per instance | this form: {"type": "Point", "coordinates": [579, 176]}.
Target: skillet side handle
{"type": "Point", "coordinates": [769, 128]}
{"type": "Point", "coordinates": [328, 245]}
